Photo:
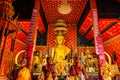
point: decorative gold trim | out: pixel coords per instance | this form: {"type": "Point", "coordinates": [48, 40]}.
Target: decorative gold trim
{"type": "Point", "coordinates": [60, 22]}
{"type": "Point", "coordinates": [109, 58]}
{"type": "Point", "coordinates": [58, 29]}
{"type": "Point", "coordinates": [16, 57]}
{"type": "Point", "coordinates": [21, 42]}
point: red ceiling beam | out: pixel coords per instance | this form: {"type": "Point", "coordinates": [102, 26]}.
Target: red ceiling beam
{"type": "Point", "coordinates": [114, 21]}
{"type": "Point", "coordinates": [87, 31]}
{"type": "Point", "coordinates": [110, 19]}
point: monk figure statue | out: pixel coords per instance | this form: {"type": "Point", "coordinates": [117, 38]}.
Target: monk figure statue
{"type": "Point", "coordinates": [77, 70]}
{"type": "Point", "coordinates": [24, 73]}
{"type": "Point", "coordinates": [48, 69]}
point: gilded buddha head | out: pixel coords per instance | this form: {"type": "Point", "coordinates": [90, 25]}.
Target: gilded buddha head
{"type": "Point", "coordinates": [60, 38]}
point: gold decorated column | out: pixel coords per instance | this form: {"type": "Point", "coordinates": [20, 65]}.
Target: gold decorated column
{"type": "Point", "coordinates": [8, 30]}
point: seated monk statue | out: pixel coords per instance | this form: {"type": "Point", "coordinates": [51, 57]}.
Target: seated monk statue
{"type": "Point", "coordinates": [77, 69]}
{"type": "Point", "coordinates": [59, 53]}
{"type": "Point", "coordinates": [24, 73]}
{"type": "Point", "coordinates": [48, 69]}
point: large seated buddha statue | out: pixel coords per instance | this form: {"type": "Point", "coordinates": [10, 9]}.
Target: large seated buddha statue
{"type": "Point", "coordinates": [59, 51]}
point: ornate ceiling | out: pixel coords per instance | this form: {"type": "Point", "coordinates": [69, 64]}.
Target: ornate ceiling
{"type": "Point", "coordinates": [50, 9]}
{"type": "Point", "coordinates": [108, 13]}
{"type": "Point", "coordinates": [107, 27]}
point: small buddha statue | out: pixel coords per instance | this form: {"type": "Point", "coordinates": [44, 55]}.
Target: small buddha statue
{"type": "Point", "coordinates": [36, 61]}
{"type": "Point", "coordinates": [91, 62]}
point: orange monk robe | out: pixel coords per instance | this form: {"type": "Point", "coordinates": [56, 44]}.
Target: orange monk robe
{"type": "Point", "coordinates": [24, 74]}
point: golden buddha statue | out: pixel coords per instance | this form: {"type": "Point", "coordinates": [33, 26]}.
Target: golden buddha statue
{"type": "Point", "coordinates": [60, 51]}
{"type": "Point", "coordinates": [38, 61]}
{"type": "Point", "coordinates": [90, 61]}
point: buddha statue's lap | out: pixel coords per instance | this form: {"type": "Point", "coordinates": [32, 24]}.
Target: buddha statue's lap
{"type": "Point", "coordinates": [60, 53]}
{"type": "Point", "coordinates": [59, 58]}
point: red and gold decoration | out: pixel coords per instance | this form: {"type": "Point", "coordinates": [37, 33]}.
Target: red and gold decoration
{"type": "Point", "coordinates": [13, 40]}
{"type": "Point", "coordinates": [83, 49]}
{"type": "Point", "coordinates": [8, 32]}
{"type": "Point", "coordinates": [112, 46]}
{"type": "Point", "coordinates": [50, 8]}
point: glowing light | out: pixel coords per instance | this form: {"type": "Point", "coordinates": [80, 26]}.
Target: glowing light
{"type": "Point", "coordinates": [64, 8]}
